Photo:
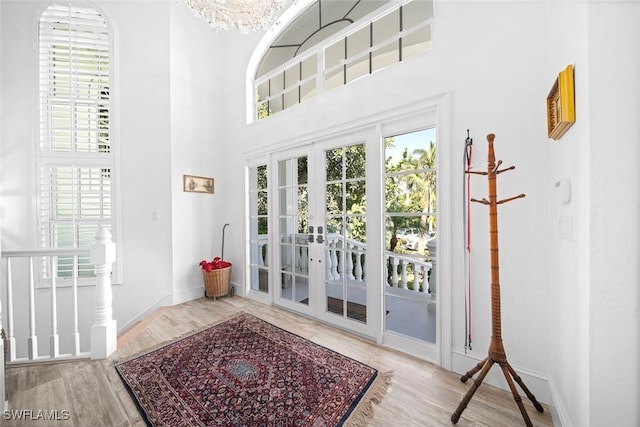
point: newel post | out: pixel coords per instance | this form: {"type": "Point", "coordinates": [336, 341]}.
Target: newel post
{"type": "Point", "coordinates": [103, 332]}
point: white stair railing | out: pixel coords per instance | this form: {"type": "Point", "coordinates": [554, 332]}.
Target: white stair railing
{"type": "Point", "coordinates": [19, 298]}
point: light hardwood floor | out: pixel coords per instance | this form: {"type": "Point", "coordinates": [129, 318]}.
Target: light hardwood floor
{"type": "Point", "coordinates": [421, 394]}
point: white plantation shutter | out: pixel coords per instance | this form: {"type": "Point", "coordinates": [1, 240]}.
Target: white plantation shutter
{"type": "Point", "coordinates": [75, 161]}
{"type": "Point", "coordinates": [74, 80]}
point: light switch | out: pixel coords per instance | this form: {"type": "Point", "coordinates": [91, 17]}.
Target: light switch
{"type": "Point", "coordinates": [565, 225]}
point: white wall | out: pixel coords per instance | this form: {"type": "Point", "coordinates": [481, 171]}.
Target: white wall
{"type": "Point", "coordinates": [568, 256]}
{"type": "Point", "coordinates": [614, 132]}
{"type": "Point", "coordinates": [490, 91]}
{"type": "Point", "coordinates": [144, 142]}
{"type": "Point", "coordinates": [594, 271]}
{"type": "Point", "coordinates": [197, 123]}
{"type": "Point", "coordinates": [19, 128]}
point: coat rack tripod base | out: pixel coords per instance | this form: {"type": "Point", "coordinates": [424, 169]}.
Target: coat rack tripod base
{"type": "Point", "coordinates": [496, 348]}
{"type": "Point", "coordinates": [496, 355]}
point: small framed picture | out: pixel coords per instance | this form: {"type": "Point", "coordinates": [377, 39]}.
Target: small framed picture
{"type": "Point", "coordinates": [561, 110]}
{"type": "Point", "coordinates": [198, 184]}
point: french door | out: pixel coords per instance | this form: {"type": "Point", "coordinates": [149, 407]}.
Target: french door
{"type": "Point", "coordinates": [320, 215]}
{"type": "Point", "coordinates": [345, 229]}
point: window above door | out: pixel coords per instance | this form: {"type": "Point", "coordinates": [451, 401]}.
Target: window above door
{"type": "Point", "coordinates": [335, 42]}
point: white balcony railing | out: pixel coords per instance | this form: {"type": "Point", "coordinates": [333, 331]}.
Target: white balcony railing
{"type": "Point", "coordinates": [403, 271]}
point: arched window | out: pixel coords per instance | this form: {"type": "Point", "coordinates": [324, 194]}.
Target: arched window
{"type": "Point", "coordinates": [75, 160]}
{"type": "Point", "coordinates": [334, 42]}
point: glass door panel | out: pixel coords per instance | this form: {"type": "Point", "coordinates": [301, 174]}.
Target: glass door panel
{"type": "Point", "coordinates": [319, 210]}
{"type": "Point", "coordinates": [411, 302]}
{"type": "Point", "coordinates": [345, 245]}
{"type": "Point", "coordinates": [293, 221]}
{"type": "Point", "coordinates": [258, 230]}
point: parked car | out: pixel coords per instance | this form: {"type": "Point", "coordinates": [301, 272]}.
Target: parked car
{"type": "Point", "coordinates": [409, 237]}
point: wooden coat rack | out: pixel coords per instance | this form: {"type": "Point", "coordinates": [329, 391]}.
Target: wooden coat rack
{"type": "Point", "coordinates": [496, 347]}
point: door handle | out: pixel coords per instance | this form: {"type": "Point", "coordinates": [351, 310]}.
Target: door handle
{"type": "Point", "coordinates": [320, 237]}
{"type": "Point", "coordinates": [310, 237]}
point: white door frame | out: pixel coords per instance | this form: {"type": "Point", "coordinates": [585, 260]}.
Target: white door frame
{"type": "Point", "coordinates": [317, 271]}
{"type": "Point", "coordinates": [438, 107]}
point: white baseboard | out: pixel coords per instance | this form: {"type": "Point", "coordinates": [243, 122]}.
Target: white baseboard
{"type": "Point", "coordinates": [559, 414]}
{"type": "Point", "coordinates": [238, 290]}
{"type": "Point", "coordinates": [169, 300]}
{"type": "Point", "coordinates": [165, 300]}
{"type": "Point", "coordinates": [536, 382]}
{"type": "Point", "coordinates": [188, 295]}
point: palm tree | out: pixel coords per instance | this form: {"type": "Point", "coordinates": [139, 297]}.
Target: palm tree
{"type": "Point", "coordinates": [423, 183]}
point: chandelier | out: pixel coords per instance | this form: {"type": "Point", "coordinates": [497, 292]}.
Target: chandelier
{"type": "Point", "coordinates": [243, 15]}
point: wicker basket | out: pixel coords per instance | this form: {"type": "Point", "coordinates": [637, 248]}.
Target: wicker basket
{"type": "Point", "coordinates": [217, 283]}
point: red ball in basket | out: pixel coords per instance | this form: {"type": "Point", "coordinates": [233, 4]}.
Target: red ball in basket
{"type": "Point", "coordinates": [216, 264]}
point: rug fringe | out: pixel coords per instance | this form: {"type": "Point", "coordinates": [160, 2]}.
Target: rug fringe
{"type": "Point", "coordinates": [363, 412]}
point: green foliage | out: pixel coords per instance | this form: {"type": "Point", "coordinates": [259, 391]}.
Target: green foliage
{"type": "Point", "coordinates": [263, 110]}
{"type": "Point", "coordinates": [346, 190]}
{"type": "Point", "coordinates": [410, 188]}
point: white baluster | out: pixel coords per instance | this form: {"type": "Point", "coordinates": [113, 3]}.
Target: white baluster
{"type": "Point", "coordinates": [334, 261]}
{"type": "Point", "coordinates": [103, 332]}
{"type": "Point", "coordinates": [359, 266]}
{"type": "Point", "coordinates": [416, 276]}
{"type": "Point", "coordinates": [430, 285]}
{"type": "Point", "coordinates": [328, 262]}
{"type": "Point", "coordinates": [433, 266]}
{"type": "Point", "coordinates": [2, 393]}
{"type": "Point", "coordinates": [341, 261]}
{"type": "Point", "coordinates": [424, 270]}
{"type": "Point", "coordinates": [403, 284]}
{"type": "Point", "coordinates": [394, 272]}
{"type": "Point", "coordinates": [10, 335]}
{"type": "Point", "coordinates": [349, 256]}
{"type": "Point", "coordinates": [54, 340]}
{"type": "Point", "coordinates": [387, 269]}
{"type": "Point", "coordinates": [304, 259]}
{"type": "Point", "coordinates": [264, 258]}
{"type": "Point", "coordinates": [297, 257]}
{"type": "Point", "coordinates": [74, 290]}
{"type": "Point", "coordinates": [417, 268]}
{"type": "Point", "coordinates": [32, 341]}
{"type": "Point", "coordinates": [3, 405]}
{"type": "Point", "coordinates": [256, 250]}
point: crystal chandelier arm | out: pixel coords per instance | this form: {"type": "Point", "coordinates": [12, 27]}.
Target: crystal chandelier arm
{"type": "Point", "coordinates": [244, 15]}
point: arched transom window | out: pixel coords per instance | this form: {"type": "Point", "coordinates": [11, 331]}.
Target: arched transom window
{"type": "Point", "coordinates": [334, 42]}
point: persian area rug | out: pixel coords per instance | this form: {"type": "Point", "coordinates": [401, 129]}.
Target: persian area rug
{"type": "Point", "coordinates": [247, 372]}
